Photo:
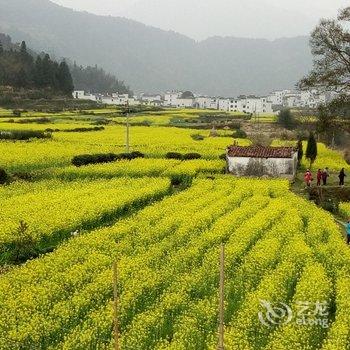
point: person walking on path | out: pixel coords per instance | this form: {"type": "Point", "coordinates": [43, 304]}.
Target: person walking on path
{"type": "Point", "coordinates": [308, 178]}
{"type": "Point", "coordinates": [319, 177]}
{"type": "Point", "coordinates": [341, 177]}
{"type": "Point", "coordinates": [325, 176]}
{"type": "Point", "coordinates": [347, 226]}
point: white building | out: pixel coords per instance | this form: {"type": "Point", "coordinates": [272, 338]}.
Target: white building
{"type": "Point", "coordinates": [300, 99]}
{"type": "Point", "coordinates": [204, 102]}
{"type": "Point", "coordinates": [184, 102]}
{"type": "Point", "coordinates": [170, 98]}
{"type": "Point", "coordinates": [119, 100]}
{"type": "Point", "coordinates": [81, 95]}
{"type": "Point", "coordinates": [248, 105]}
{"type": "Point", "coordinates": [224, 104]}
{"type": "Point", "coordinates": [276, 97]}
{"type": "Point", "coordinates": [262, 161]}
{"type": "Point", "coordinates": [150, 98]}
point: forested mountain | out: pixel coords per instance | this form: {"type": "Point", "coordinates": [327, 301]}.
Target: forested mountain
{"type": "Point", "coordinates": [20, 69]}
{"type": "Point", "coordinates": [151, 59]}
{"type": "Point", "coordinates": [23, 68]}
{"type": "Point", "coordinates": [95, 79]}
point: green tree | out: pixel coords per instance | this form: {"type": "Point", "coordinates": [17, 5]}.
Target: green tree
{"type": "Point", "coordinates": [311, 149]}
{"type": "Point", "coordinates": [286, 119]}
{"type": "Point", "coordinates": [38, 72]}
{"type": "Point", "coordinates": [23, 49]}
{"type": "Point", "coordinates": [64, 78]}
{"type": "Point", "coordinates": [187, 94]}
{"type": "Point", "coordinates": [48, 72]}
{"type": "Point", "coordinates": [95, 79]}
{"type": "Point", "coordinates": [300, 151]}
{"type": "Point", "coordinates": [327, 123]}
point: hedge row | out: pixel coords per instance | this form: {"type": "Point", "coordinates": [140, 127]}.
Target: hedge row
{"type": "Point", "coordinates": [85, 159]}
{"type": "Point", "coordinates": [23, 134]}
{"type": "Point", "coordinates": [187, 156]}
{"type": "Point", "coordinates": [96, 128]}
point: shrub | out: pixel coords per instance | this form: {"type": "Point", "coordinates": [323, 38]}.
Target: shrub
{"type": "Point", "coordinates": [330, 205]}
{"type": "Point", "coordinates": [255, 168]}
{"type": "Point", "coordinates": [132, 155]}
{"type": "Point", "coordinates": [173, 155]}
{"type": "Point", "coordinates": [197, 137]}
{"type": "Point", "coordinates": [23, 135]}
{"type": "Point", "coordinates": [3, 176]}
{"type": "Point", "coordinates": [95, 128]}
{"type": "Point", "coordinates": [23, 245]}
{"type": "Point", "coordinates": [189, 156]}
{"type": "Point", "coordinates": [16, 113]}
{"type": "Point", "coordinates": [43, 120]}
{"type": "Point", "coordinates": [23, 176]}
{"type": "Point", "coordinates": [286, 119]}
{"type": "Point", "coordinates": [261, 140]}
{"type": "Point", "coordinates": [101, 122]}
{"type": "Point", "coordinates": [240, 134]}
{"type": "Point", "coordinates": [85, 159]}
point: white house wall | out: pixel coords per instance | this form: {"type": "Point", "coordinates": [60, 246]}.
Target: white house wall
{"type": "Point", "coordinates": [278, 167]}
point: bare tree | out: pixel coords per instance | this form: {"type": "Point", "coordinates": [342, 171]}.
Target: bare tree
{"type": "Point", "coordinates": [330, 46]}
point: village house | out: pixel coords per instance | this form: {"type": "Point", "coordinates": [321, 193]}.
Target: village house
{"type": "Point", "coordinates": [170, 98]}
{"type": "Point", "coordinates": [82, 95]}
{"type": "Point", "coordinates": [205, 102]}
{"type": "Point", "coordinates": [300, 99]}
{"type": "Point", "coordinates": [250, 105]}
{"type": "Point", "coordinates": [150, 98]}
{"type": "Point", "coordinates": [262, 161]}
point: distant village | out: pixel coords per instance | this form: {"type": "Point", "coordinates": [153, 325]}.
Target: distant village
{"type": "Point", "coordinates": [270, 104]}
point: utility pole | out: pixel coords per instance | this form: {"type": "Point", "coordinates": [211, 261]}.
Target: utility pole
{"type": "Point", "coordinates": [127, 129]}
{"type": "Point", "coordinates": [257, 118]}
{"type": "Point", "coordinates": [221, 298]}
{"type": "Point", "coordinates": [115, 307]}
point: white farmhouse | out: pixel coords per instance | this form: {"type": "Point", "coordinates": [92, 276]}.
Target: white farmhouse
{"type": "Point", "coordinates": [224, 104]}
{"type": "Point", "coordinates": [115, 99]}
{"type": "Point", "coordinates": [276, 97]}
{"type": "Point", "coordinates": [262, 161]}
{"type": "Point", "coordinates": [184, 102]}
{"type": "Point", "coordinates": [203, 102]}
{"type": "Point", "coordinates": [82, 95]}
{"type": "Point", "coordinates": [249, 105]}
{"type": "Point", "coordinates": [171, 98]}
{"type": "Point", "coordinates": [148, 98]}
{"type": "Point", "coordinates": [119, 100]}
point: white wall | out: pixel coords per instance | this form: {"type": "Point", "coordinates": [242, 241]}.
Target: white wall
{"type": "Point", "coordinates": [278, 167]}
{"type": "Point", "coordinates": [170, 99]}
{"type": "Point", "coordinates": [80, 94]}
{"type": "Point", "coordinates": [184, 102]}
{"type": "Point", "coordinates": [224, 104]}
{"type": "Point", "coordinates": [259, 105]}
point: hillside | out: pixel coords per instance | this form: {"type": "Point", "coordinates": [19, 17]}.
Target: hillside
{"type": "Point", "coordinates": [21, 70]}
{"type": "Point", "coordinates": [151, 59]}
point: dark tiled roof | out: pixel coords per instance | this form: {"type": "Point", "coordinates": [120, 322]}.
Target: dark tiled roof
{"type": "Point", "coordinates": [260, 152]}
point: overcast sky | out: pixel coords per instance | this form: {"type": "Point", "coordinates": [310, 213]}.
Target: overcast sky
{"type": "Point", "coordinates": [201, 19]}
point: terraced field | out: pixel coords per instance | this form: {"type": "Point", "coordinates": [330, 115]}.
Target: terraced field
{"type": "Point", "coordinates": [162, 221]}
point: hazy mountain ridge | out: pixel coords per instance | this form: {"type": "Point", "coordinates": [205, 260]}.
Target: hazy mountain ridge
{"type": "Point", "coordinates": [243, 18]}
{"type": "Point", "coordinates": [151, 59]}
